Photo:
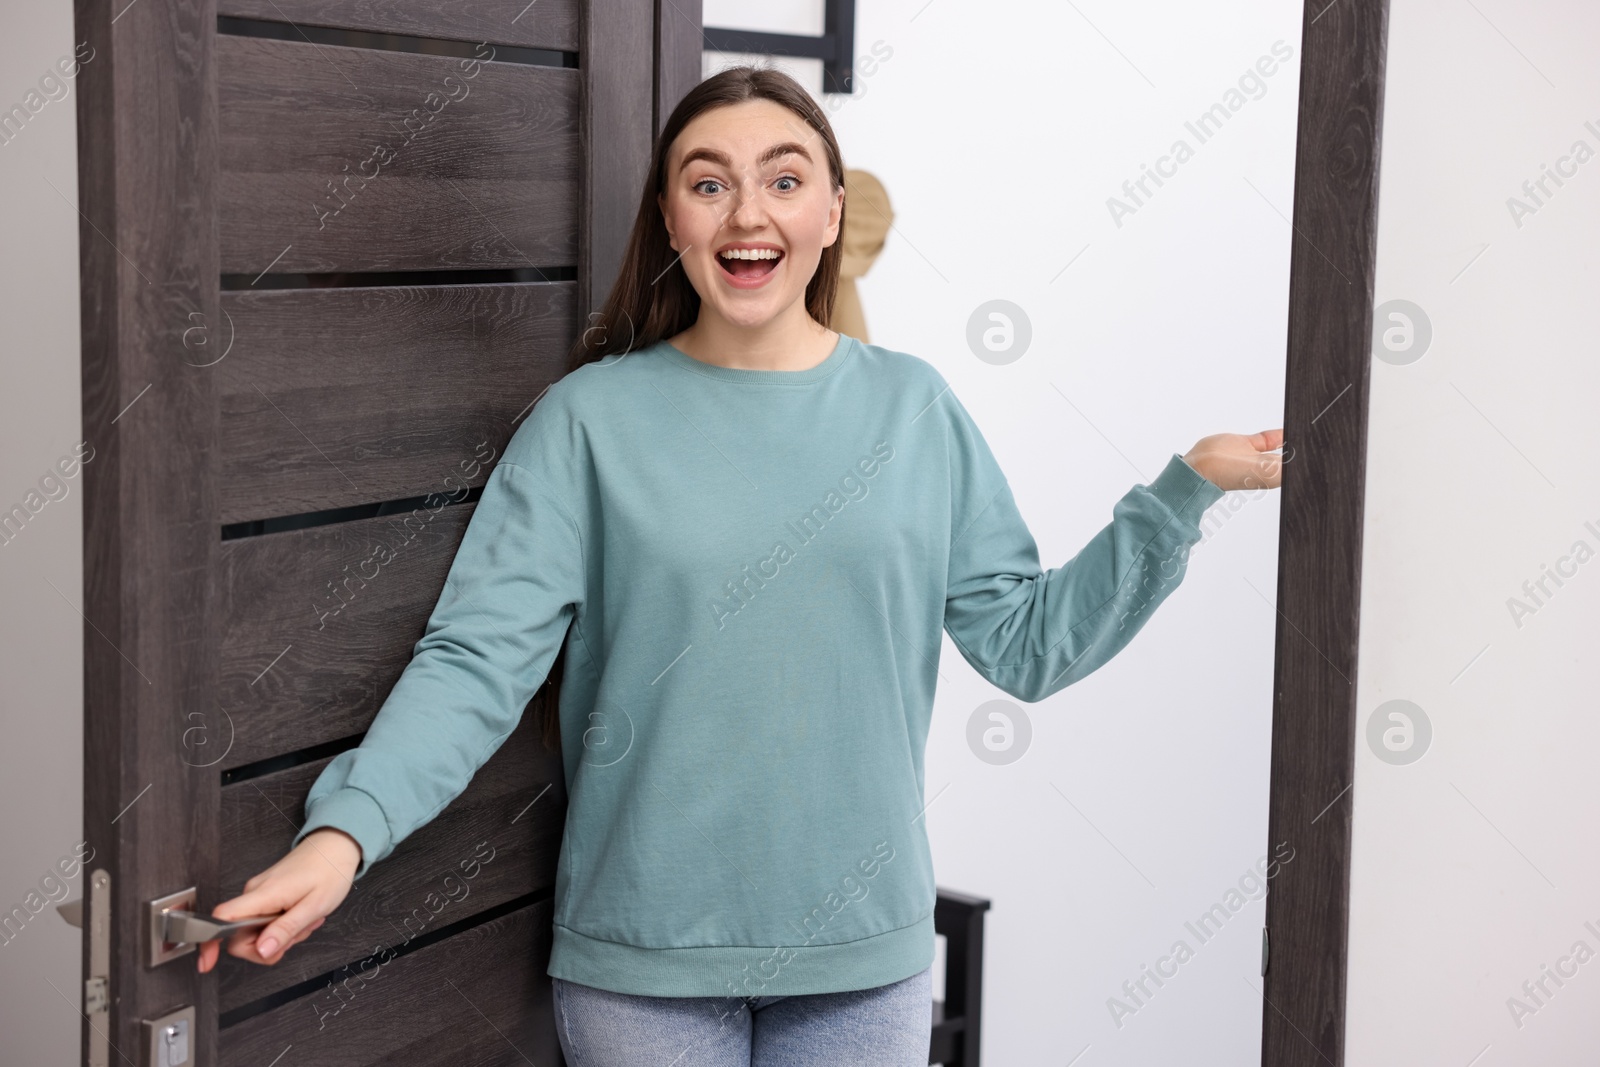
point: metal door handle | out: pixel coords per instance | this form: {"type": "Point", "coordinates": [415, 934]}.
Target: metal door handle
{"type": "Point", "coordinates": [72, 911]}
{"type": "Point", "coordinates": [180, 927]}
{"type": "Point", "coordinates": [176, 930]}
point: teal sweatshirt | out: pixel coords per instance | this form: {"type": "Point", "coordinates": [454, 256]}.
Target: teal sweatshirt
{"type": "Point", "coordinates": [751, 571]}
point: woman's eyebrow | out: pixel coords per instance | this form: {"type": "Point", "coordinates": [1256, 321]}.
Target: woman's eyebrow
{"type": "Point", "coordinates": [711, 155]}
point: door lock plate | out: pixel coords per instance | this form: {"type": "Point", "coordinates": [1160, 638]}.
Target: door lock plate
{"type": "Point", "coordinates": [169, 1040]}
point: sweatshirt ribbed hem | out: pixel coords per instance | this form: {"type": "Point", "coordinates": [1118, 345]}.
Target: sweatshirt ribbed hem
{"type": "Point", "coordinates": [1185, 491]}
{"type": "Point", "coordinates": [356, 813]}
{"type": "Point", "coordinates": [742, 971]}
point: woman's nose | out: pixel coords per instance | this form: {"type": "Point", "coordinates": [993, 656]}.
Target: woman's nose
{"type": "Point", "coordinates": [748, 211]}
{"type": "Point", "coordinates": [747, 216]}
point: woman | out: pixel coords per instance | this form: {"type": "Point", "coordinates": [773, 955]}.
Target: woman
{"type": "Point", "coordinates": [750, 533]}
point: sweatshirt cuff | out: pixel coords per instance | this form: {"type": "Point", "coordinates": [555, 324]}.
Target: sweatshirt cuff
{"type": "Point", "coordinates": [357, 814]}
{"type": "Point", "coordinates": [1184, 490]}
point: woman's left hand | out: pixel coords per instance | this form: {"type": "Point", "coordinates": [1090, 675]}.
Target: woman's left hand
{"type": "Point", "coordinates": [1240, 461]}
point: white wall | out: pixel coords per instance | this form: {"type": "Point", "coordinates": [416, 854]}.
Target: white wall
{"type": "Point", "coordinates": [1474, 866]}
{"type": "Point", "coordinates": [41, 632]}
{"type": "Point", "coordinates": [999, 134]}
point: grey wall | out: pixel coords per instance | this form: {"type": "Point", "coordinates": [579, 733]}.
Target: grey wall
{"type": "Point", "coordinates": [41, 631]}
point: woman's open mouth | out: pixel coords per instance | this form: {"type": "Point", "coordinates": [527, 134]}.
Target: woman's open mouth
{"type": "Point", "coordinates": [749, 264]}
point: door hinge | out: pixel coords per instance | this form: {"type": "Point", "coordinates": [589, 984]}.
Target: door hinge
{"type": "Point", "coordinates": [94, 996]}
{"type": "Point", "coordinates": [1265, 952]}
{"type": "Point", "coordinates": [97, 986]}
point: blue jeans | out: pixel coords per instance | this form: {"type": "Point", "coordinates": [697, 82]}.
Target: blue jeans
{"type": "Point", "coordinates": [887, 1026]}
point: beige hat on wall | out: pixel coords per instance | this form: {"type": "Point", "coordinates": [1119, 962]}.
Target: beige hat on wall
{"type": "Point", "coordinates": [866, 223]}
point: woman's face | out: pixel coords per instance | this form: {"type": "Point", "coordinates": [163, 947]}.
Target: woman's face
{"type": "Point", "coordinates": [749, 178]}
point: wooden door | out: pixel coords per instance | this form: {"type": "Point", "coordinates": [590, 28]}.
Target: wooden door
{"type": "Point", "coordinates": [332, 251]}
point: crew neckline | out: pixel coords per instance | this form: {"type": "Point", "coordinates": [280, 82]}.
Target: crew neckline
{"type": "Point", "coordinates": [841, 351]}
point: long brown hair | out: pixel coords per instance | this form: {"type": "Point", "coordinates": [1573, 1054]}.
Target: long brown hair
{"type": "Point", "coordinates": [652, 298]}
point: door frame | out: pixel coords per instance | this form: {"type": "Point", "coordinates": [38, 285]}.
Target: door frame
{"type": "Point", "coordinates": [1314, 713]}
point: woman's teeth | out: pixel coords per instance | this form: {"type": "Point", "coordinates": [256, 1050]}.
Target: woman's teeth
{"type": "Point", "coordinates": [749, 262]}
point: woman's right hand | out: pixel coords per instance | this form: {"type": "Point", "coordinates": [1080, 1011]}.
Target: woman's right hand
{"type": "Point", "coordinates": [306, 885]}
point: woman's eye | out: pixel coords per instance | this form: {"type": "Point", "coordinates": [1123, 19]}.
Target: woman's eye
{"type": "Point", "coordinates": [707, 181]}
{"type": "Point", "coordinates": [794, 183]}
